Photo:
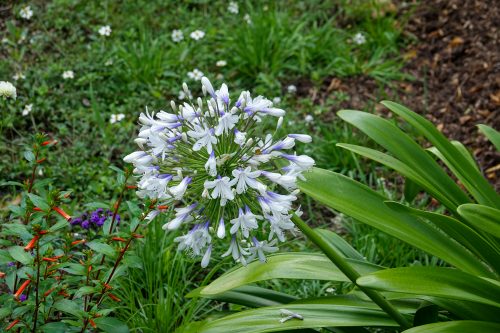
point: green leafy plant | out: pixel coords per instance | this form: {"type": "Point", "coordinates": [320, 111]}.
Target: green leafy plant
{"type": "Point", "coordinates": [461, 297]}
{"type": "Point", "coordinates": [60, 271]}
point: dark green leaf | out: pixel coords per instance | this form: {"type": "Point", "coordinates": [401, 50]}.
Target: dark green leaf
{"type": "Point", "coordinates": [461, 326]}
{"type": "Point", "coordinates": [111, 325]}
{"type": "Point", "coordinates": [101, 248]}
{"type": "Point", "coordinates": [18, 253]}
{"type": "Point", "coordinates": [39, 202]}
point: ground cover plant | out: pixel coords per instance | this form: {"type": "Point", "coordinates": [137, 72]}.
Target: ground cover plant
{"type": "Point", "coordinates": [82, 72]}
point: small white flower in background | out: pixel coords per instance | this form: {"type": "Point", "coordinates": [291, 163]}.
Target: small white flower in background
{"type": "Point", "coordinates": [116, 118]}
{"type": "Point", "coordinates": [67, 75]}
{"type": "Point", "coordinates": [233, 7]}
{"type": "Point", "coordinates": [247, 19]}
{"type": "Point", "coordinates": [108, 62]}
{"type": "Point", "coordinates": [27, 109]}
{"type": "Point", "coordinates": [330, 290]}
{"type": "Point", "coordinates": [26, 12]}
{"type": "Point", "coordinates": [292, 89]}
{"type": "Point", "coordinates": [196, 74]}
{"type": "Point", "coordinates": [359, 38]}
{"type": "Point", "coordinates": [40, 171]}
{"type": "Point", "coordinates": [5, 40]}
{"type": "Point", "coordinates": [177, 35]}
{"type": "Point", "coordinates": [308, 118]}
{"type": "Point", "coordinates": [18, 76]}
{"type": "Point", "coordinates": [212, 160]}
{"type": "Point", "coordinates": [276, 100]}
{"type": "Point", "coordinates": [7, 90]}
{"type": "Point", "coordinates": [221, 63]}
{"type": "Point", "coordinates": [105, 30]}
{"type": "Point", "coordinates": [197, 34]}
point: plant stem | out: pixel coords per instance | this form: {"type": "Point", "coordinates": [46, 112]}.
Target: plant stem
{"type": "Point", "coordinates": [37, 285]}
{"type": "Point", "coordinates": [339, 261]}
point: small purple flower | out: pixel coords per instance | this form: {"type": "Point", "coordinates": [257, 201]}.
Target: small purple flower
{"type": "Point", "coordinates": [76, 221]}
{"type": "Point", "coordinates": [23, 297]}
{"type": "Point", "coordinates": [94, 217]}
{"type": "Point", "coordinates": [10, 264]}
{"type": "Point", "coordinates": [86, 224]}
{"type": "Point", "coordinates": [101, 221]}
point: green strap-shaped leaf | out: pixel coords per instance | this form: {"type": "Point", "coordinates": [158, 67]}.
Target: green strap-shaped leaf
{"type": "Point", "coordinates": [434, 281]}
{"type": "Point", "coordinates": [472, 179]}
{"type": "Point", "coordinates": [407, 151]}
{"type": "Point", "coordinates": [267, 319]}
{"type": "Point", "coordinates": [459, 326]}
{"type": "Point", "coordinates": [460, 148]}
{"type": "Point", "coordinates": [305, 266]}
{"type": "Point", "coordinates": [364, 204]}
{"type": "Point", "coordinates": [405, 170]}
{"type": "Point", "coordinates": [491, 134]}
{"type": "Point", "coordinates": [340, 244]}
{"type": "Point", "coordinates": [460, 232]}
{"type": "Point", "coordinates": [482, 217]}
{"type": "Point", "coordinates": [251, 296]}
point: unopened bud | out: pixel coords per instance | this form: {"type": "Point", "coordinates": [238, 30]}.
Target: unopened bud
{"type": "Point", "coordinates": [280, 122]}
{"type": "Point", "coordinates": [185, 88]}
{"type": "Point", "coordinates": [173, 106]}
{"type": "Point", "coordinates": [200, 103]}
{"type": "Point", "coordinates": [249, 142]}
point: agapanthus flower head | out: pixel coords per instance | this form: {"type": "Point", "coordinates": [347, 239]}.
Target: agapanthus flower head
{"type": "Point", "coordinates": [210, 159]}
{"type": "Point", "coordinates": [7, 90]}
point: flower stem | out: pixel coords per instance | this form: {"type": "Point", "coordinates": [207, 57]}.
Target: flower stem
{"type": "Point", "coordinates": [37, 286]}
{"type": "Point", "coordinates": [339, 261]}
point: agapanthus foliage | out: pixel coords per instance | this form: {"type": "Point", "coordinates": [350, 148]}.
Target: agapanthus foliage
{"type": "Point", "coordinates": [225, 178]}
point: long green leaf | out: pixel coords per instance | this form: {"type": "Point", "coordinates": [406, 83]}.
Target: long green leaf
{"type": "Point", "coordinates": [462, 326]}
{"type": "Point", "coordinates": [267, 319]}
{"type": "Point", "coordinates": [460, 232]}
{"type": "Point", "coordinates": [472, 179]}
{"type": "Point", "coordinates": [491, 134]}
{"type": "Point", "coordinates": [303, 266]}
{"type": "Point", "coordinates": [404, 170]}
{"type": "Point", "coordinates": [251, 296]}
{"type": "Point", "coordinates": [434, 281]}
{"type": "Point", "coordinates": [339, 243]}
{"type": "Point", "coordinates": [406, 150]}
{"type": "Point", "coordinates": [482, 217]}
{"type": "Point", "coordinates": [364, 204]}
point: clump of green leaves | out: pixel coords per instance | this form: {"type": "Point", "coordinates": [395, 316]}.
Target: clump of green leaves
{"type": "Point", "coordinates": [59, 276]}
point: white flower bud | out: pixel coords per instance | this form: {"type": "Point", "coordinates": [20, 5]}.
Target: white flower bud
{"type": "Point", "coordinates": [280, 122]}
{"type": "Point", "coordinates": [173, 106]}
{"type": "Point", "coordinates": [200, 102]}
{"type": "Point", "coordinates": [249, 142]}
{"type": "Point", "coordinates": [185, 88]}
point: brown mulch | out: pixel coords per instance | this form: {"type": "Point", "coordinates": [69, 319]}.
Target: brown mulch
{"type": "Point", "coordinates": [456, 65]}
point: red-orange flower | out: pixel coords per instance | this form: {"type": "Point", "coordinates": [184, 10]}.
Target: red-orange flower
{"type": "Point", "coordinates": [32, 243]}
{"type": "Point", "coordinates": [119, 239]}
{"type": "Point", "coordinates": [62, 213]}
{"type": "Point", "coordinates": [12, 324]}
{"type": "Point", "coordinates": [78, 242]}
{"type": "Point", "coordinates": [114, 298]}
{"type": "Point", "coordinates": [49, 142]}
{"type": "Point", "coordinates": [21, 288]}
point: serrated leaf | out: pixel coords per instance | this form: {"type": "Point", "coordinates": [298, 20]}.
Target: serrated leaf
{"type": "Point", "coordinates": [70, 307]}
{"type": "Point", "coordinates": [85, 290]}
{"type": "Point", "coordinates": [29, 156]}
{"type": "Point", "coordinates": [102, 248]}
{"type": "Point", "coordinates": [39, 202]}
{"type": "Point", "coordinates": [18, 253]}
{"type": "Point", "coordinates": [111, 325]}
{"type": "Point", "coordinates": [56, 327]}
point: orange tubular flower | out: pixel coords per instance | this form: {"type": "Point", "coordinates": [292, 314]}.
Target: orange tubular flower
{"type": "Point", "coordinates": [119, 239]}
{"type": "Point", "coordinates": [137, 236]}
{"type": "Point", "coordinates": [114, 298]}
{"type": "Point", "coordinates": [62, 213]}
{"type": "Point", "coordinates": [2, 275]}
{"type": "Point", "coordinates": [107, 286]}
{"type": "Point", "coordinates": [37, 209]}
{"type": "Point", "coordinates": [78, 242]}
{"type": "Point", "coordinates": [131, 187]}
{"type": "Point", "coordinates": [49, 259]}
{"type": "Point", "coordinates": [43, 232]}
{"type": "Point", "coordinates": [49, 142]}
{"type": "Point", "coordinates": [32, 243]}
{"type": "Point", "coordinates": [21, 288]}
{"type": "Point", "coordinates": [162, 207]}
{"type": "Point", "coordinates": [41, 160]}
{"type": "Point", "coordinates": [12, 324]}
{"type": "Point", "coordinates": [48, 292]}
{"type": "Point", "coordinates": [92, 323]}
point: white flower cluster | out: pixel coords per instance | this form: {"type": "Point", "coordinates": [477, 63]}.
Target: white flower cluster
{"type": "Point", "coordinates": [115, 118]}
{"type": "Point", "coordinates": [26, 12]}
{"type": "Point", "coordinates": [7, 90]}
{"type": "Point", "coordinates": [359, 38]}
{"type": "Point", "coordinates": [207, 159]}
{"type": "Point", "coordinates": [68, 75]}
{"type": "Point", "coordinates": [105, 31]}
